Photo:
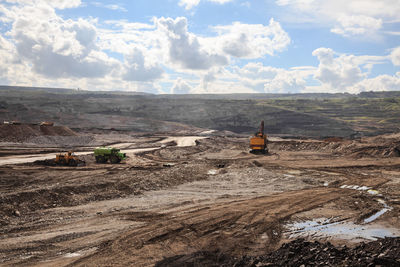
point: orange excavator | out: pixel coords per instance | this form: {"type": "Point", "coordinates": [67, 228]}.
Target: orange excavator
{"type": "Point", "coordinates": [258, 143]}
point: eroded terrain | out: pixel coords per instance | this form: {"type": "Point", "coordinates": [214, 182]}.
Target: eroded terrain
{"type": "Point", "coordinates": [177, 196]}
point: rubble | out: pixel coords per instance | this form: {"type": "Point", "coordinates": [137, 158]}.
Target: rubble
{"type": "Point", "coordinates": [209, 204]}
{"type": "Point", "coordinates": [299, 252]}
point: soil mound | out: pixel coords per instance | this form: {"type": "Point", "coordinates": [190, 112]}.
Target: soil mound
{"type": "Point", "coordinates": [384, 252]}
{"type": "Point", "coordinates": [385, 148]}
{"type": "Point", "coordinates": [21, 133]}
{"type": "Point", "coordinates": [52, 162]}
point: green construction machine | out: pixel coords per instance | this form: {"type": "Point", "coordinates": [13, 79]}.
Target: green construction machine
{"type": "Point", "coordinates": [104, 154]}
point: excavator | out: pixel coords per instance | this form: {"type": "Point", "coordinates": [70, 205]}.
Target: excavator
{"type": "Point", "coordinates": [258, 143]}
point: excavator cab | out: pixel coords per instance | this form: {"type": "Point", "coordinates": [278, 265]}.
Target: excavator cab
{"type": "Point", "coordinates": [258, 143]}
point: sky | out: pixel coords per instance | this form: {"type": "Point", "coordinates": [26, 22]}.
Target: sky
{"type": "Point", "coordinates": [202, 46]}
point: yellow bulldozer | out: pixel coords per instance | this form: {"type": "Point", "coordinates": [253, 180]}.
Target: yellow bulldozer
{"type": "Point", "coordinates": [68, 159]}
{"type": "Point", "coordinates": [258, 143]}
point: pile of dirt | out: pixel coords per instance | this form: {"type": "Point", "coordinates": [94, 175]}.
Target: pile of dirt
{"type": "Point", "coordinates": [52, 162]}
{"type": "Point", "coordinates": [382, 150]}
{"type": "Point", "coordinates": [385, 252]}
{"type": "Point", "coordinates": [76, 186]}
{"type": "Point", "coordinates": [63, 141]}
{"type": "Point", "coordinates": [337, 146]}
{"type": "Point", "coordinates": [22, 132]}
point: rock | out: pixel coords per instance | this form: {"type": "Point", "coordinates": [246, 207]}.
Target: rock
{"type": "Point", "coordinates": [303, 253]}
{"type": "Point", "coordinates": [257, 163]}
{"type": "Point", "coordinates": [16, 213]}
{"type": "Point", "coordinates": [168, 165]}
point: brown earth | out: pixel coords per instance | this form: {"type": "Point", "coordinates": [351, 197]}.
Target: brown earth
{"type": "Point", "coordinates": [212, 198]}
{"type": "Point", "coordinates": [22, 132]}
{"type": "Point", "coordinates": [384, 252]}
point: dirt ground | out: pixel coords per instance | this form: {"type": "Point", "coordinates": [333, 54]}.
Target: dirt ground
{"type": "Point", "coordinates": [178, 197]}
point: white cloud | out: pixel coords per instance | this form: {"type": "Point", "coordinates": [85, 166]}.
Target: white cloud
{"type": "Point", "coordinates": [392, 33]}
{"type": "Point", "coordinates": [181, 87]}
{"type": "Point", "coordinates": [345, 73]}
{"type": "Point", "coordinates": [185, 48]}
{"type": "Point", "coordinates": [335, 8]}
{"type": "Point", "coordinates": [273, 80]}
{"type": "Point", "coordinates": [59, 4]}
{"type": "Point", "coordinates": [7, 58]}
{"type": "Point", "coordinates": [395, 56]}
{"type": "Point", "coordinates": [380, 83]}
{"type": "Point", "coordinates": [251, 40]}
{"type": "Point", "coordinates": [222, 87]}
{"type": "Point", "coordinates": [189, 4]}
{"type": "Point", "coordinates": [124, 35]}
{"type": "Point", "coordinates": [338, 73]}
{"type": "Point", "coordinates": [220, 1]}
{"type": "Point", "coordinates": [357, 25]}
{"type": "Point", "coordinates": [285, 82]}
{"type": "Point", "coordinates": [110, 6]}
{"type": "Point", "coordinates": [44, 49]}
{"type": "Point", "coordinates": [62, 4]}
{"type": "Point", "coordinates": [348, 18]}
{"type": "Point", "coordinates": [136, 68]}
{"type": "Point", "coordinates": [56, 47]}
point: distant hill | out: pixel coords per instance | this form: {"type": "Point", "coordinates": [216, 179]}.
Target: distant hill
{"type": "Point", "coordinates": [66, 91]}
{"type": "Point", "coordinates": [315, 115]}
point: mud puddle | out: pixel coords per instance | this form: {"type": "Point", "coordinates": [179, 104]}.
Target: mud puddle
{"type": "Point", "coordinates": [344, 230]}
{"type": "Point", "coordinates": [374, 192]}
{"type": "Point", "coordinates": [385, 209]}
{"type": "Point", "coordinates": [182, 141]}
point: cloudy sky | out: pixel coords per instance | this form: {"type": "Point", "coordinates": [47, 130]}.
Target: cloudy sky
{"type": "Point", "coordinates": [202, 46]}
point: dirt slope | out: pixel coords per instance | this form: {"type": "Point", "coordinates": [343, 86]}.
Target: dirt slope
{"type": "Point", "coordinates": [21, 133]}
{"type": "Point", "coordinates": [384, 252]}
{"type": "Point", "coordinates": [212, 197]}
{"type": "Point", "coordinates": [237, 228]}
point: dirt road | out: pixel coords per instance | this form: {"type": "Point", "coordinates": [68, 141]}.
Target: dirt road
{"type": "Point", "coordinates": [181, 141]}
{"type": "Point", "coordinates": [213, 196]}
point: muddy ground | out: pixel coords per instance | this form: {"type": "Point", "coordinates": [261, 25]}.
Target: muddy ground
{"type": "Point", "coordinates": [210, 197]}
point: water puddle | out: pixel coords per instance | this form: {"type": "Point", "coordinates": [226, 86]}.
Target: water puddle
{"type": "Point", "coordinates": [374, 192]}
{"type": "Point", "coordinates": [182, 141]}
{"type": "Point", "coordinates": [212, 172]}
{"type": "Point", "coordinates": [295, 172]}
{"type": "Point", "coordinates": [323, 227]}
{"type": "Point", "coordinates": [72, 255]}
{"type": "Point", "coordinates": [288, 175]}
{"type": "Point", "coordinates": [80, 253]}
{"type": "Point", "coordinates": [385, 209]}
{"type": "Point", "coordinates": [356, 187]}
{"type": "Point", "coordinates": [207, 132]}
{"type": "Point", "coordinates": [376, 215]}
{"type": "Point", "coordinates": [362, 188]}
